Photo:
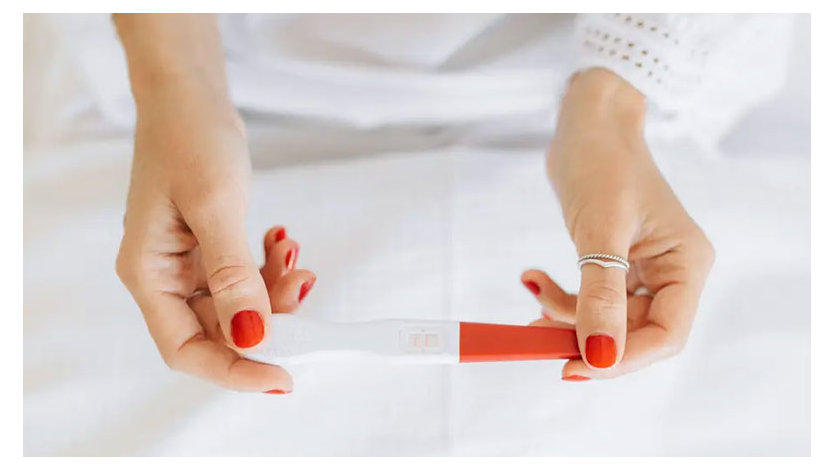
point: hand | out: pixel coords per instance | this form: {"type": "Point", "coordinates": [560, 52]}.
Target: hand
{"type": "Point", "coordinates": [185, 235]}
{"type": "Point", "coordinates": [287, 288]}
{"type": "Point", "coordinates": [615, 201]}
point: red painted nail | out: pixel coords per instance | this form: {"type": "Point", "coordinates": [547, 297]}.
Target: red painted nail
{"type": "Point", "coordinates": [576, 378]}
{"type": "Point", "coordinates": [305, 288]}
{"type": "Point", "coordinates": [247, 329]}
{"type": "Point", "coordinates": [601, 351]}
{"type": "Point", "coordinates": [280, 234]}
{"type": "Point", "coordinates": [289, 259]}
{"type": "Point", "coordinates": [276, 392]}
{"type": "Point", "coordinates": [534, 288]}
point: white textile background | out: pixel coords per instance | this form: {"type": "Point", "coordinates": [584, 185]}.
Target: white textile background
{"type": "Point", "coordinates": [439, 228]}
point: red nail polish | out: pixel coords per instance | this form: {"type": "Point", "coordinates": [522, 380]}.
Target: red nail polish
{"type": "Point", "coordinates": [247, 329]}
{"type": "Point", "coordinates": [534, 288]}
{"type": "Point", "coordinates": [289, 259]}
{"type": "Point", "coordinates": [305, 288]}
{"type": "Point", "coordinates": [280, 234]}
{"type": "Point", "coordinates": [576, 378]}
{"type": "Point", "coordinates": [601, 351]}
{"type": "Point", "coordinates": [276, 392]}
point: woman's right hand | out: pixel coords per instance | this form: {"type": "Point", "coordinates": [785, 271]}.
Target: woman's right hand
{"type": "Point", "coordinates": [185, 239]}
{"type": "Point", "coordinates": [287, 288]}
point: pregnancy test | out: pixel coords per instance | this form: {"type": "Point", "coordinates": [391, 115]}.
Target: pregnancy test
{"type": "Point", "coordinates": [296, 339]}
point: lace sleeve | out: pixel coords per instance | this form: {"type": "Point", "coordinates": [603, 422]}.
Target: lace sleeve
{"type": "Point", "coordinates": [706, 69]}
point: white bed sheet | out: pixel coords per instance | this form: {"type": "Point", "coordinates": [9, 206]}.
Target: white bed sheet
{"type": "Point", "coordinates": [458, 225]}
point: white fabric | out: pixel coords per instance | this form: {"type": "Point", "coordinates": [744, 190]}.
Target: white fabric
{"type": "Point", "coordinates": [457, 221]}
{"type": "Point", "coordinates": [702, 71]}
{"type": "Point", "coordinates": [383, 70]}
{"type": "Point", "coordinates": [372, 71]}
{"type": "Point", "coordinates": [438, 235]}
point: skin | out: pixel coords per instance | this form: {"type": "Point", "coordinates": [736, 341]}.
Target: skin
{"type": "Point", "coordinates": [185, 258]}
{"type": "Point", "coordinates": [184, 226]}
{"type": "Point", "coordinates": [615, 200]}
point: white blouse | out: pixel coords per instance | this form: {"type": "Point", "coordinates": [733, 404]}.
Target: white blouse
{"type": "Point", "coordinates": [701, 73]}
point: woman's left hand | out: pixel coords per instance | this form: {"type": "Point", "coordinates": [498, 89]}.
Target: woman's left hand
{"type": "Point", "coordinates": [615, 201]}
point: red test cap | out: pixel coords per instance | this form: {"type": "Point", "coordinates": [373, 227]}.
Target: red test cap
{"type": "Point", "coordinates": [486, 342]}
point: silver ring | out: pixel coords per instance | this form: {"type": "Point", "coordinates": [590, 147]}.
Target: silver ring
{"type": "Point", "coordinates": [604, 260]}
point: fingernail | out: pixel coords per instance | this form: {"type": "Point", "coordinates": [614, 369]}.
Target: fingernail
{"type": "Point", "coordinates": [289, 259]}
{"type": "Point", "coordinates": [305, 288]}
{"type": "Point", "coordinates": [601, 351]}
{"type": "Point", "coordinates": [534, 288]}
{"type": "Point", "coordinates": [276, 392]}
{"type": "Point", "coordinates": [247, 329]}
{"type": "Point", "coordinates": [280, 234]}
{"type": "Point", "coordinates": [576, 378]}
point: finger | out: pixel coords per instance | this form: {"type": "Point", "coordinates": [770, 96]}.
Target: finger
{"type": "Point", "coordinates": [669, 318]}
{"type": "Point", "coordinates": [560, 318]}
{"type": "Point", "coordinates": [544, 321]}
{"type": "Point", "coordinates": [185, 347]}
{"type": "Point", "coordinates": [280, 260]}
{"type": "Point", "coordinates": [237, 288]}
{"type": "Point", "coordinates": [632, 279]}
{"type": "Point", "coordinates": [273, 236]}
{"type": "Point", "coordinates": [601, 315]}
{"type": "Point", "coordinates": [287, 293]}
{"type": "Point", "coordinates": [558, 304]}
{"type": "Point", "coordinates": [645, 346]}
{"type": "Point", "coordinates": [601, 302]}
{"type": "Point", "coordinates": [638, 311]}
{"type": "Point", "coordinates": [203, 307]}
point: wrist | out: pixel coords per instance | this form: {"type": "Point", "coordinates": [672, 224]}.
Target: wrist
{"type": "Point", "coordinates": [597, 97]}
{"type": "Point", "coordinates": [599, 131]}
{"type": "Point", "coordinates": [160, 78]}
{"type": "Point", "coordinates": [188, 107]}
{"type": "Point", "coordinates": [169, 54]}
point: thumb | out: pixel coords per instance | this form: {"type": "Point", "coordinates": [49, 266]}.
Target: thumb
{"type": "Point", "coordinates": [601, 304]}
{"type": "Point", "coordinates": [234, 280]}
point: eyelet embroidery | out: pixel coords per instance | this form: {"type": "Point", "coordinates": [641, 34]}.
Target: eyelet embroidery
{"type": "Point", "coordinates": [641, 23]}
{"type": "Point", "coordinates": [612, 51]}
{"type": "Point", "coordinates": [613, 46]}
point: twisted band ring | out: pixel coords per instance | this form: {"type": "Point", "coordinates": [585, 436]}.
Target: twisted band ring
{"type": "Point", "coordinates": [604, 260]}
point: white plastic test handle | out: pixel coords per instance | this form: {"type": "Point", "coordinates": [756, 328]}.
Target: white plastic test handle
{"type": "Point", "coordinates": [296, 339]}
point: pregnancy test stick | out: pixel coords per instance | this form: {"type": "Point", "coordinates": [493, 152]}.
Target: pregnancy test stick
{"type": "Point", "coordinates": [296, 339]}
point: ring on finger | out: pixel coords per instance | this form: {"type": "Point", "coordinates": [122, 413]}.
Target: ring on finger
{"type": "Point", "coordinates": [603, 260]}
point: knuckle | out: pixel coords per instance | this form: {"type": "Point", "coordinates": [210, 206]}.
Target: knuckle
{"type": "Point", "coordinates": [704, 245]}
{"type": "Point", "coordinates": [703, 252]}
{"type": "Point", "coordinates": [126, 267]}
{"type": "Point", "coordinates": [171, 359]}
{"type": "Point", "coordinates": [133, 269]}
{"type": "Point", "coordinates": [709, 251]}
{"type": "Point", "coordinates": [121, 267]}
{"type": "Point", "coordinates": [229, 278]}
{"type": "Point", "coordinates": [600, 298]}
